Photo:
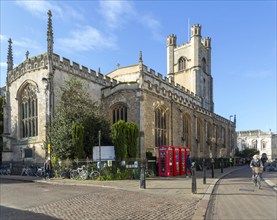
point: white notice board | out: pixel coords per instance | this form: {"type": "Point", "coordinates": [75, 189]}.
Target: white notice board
{"type": "Point", "coordinates": [107, 153]}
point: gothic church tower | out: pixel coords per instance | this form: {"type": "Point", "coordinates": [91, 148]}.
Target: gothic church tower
{"type": "Point", "coordinates": [189, 65]}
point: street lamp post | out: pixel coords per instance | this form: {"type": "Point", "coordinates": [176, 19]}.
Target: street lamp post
{"type": "Point", "coordinates": [99, 136]}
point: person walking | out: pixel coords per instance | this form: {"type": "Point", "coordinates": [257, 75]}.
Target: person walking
{"type": "Point", "coordinates": [188, 166]}
{"type": "Point", "coordinates": [46, 169]}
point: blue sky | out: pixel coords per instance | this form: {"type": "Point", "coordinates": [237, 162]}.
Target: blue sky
{"type": "Point", "coordinates": [104, 33]}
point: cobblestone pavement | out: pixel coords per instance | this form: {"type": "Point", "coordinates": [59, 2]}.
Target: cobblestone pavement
{"type": "Point", "coordinates": [163, 198]}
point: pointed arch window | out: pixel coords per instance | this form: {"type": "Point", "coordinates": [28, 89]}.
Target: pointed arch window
{"type": "Point", "coordinates": [29, 113]}
{"type": "Point", "coordinates": [187, 131]}
{"type": "Point", "coordinates": [181, 64]}
{"type": "Point", "coordinates": [199, 134]}
{"type": "Point", "coordinates": [160, 127]}
{"type": "Point", "coordinates": [204, 65]}
{"type": "Point", "coordinates": [119, 112]}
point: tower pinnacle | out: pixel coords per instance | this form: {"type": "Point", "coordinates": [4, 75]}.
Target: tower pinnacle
{"type": "Point", "coordinates": [50, 41]}
{"type": "Point", "coordinates": [10, 56]}
{"type": "Point", "coordinates": [140, 57]}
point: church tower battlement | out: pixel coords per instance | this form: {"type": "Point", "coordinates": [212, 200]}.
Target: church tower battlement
{"type": "Point", "coordinates": [189, 64]}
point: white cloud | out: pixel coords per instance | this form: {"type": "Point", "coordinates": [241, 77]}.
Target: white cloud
{"type": "Point", "coordinates": [86, 38]}
{"type": "Point", "coordinates": [39, 8]}
{"type": "Point", "coordinates": [3, 38]}
{"type": "Point", "coordinates": [116, 13]}
{"type": "Point", "coordinates": [154, 25]}
{"type": "Point", "coordinates": [3, 64]}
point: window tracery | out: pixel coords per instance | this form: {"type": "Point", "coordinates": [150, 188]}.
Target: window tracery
{"type": "Point", "coordinates": [29, 113]}
{"type": "Point", "coordinates": [160, 127]}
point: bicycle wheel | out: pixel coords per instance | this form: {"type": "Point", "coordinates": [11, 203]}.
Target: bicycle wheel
{"type": "Point", "coordinates": [94, 175]}
{"type": "Point", "coordinates": [83, 174]}
{"type": "Point", "coordinates": [73, 174]}
{"type": "Point", "coordinates": [259, 181]}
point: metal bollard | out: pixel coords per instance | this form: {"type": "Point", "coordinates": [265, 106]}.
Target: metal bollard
{"type": "Point", "coordinates": [221, 165]}
{"type": "Point", "coordinates": [204, 172]}
{"type": "Point", "coordinates": [212, 168]}
{"type": "Point", "coordinates": [193, 179]}
{"type": "Point", "coordinates": [142, 177]}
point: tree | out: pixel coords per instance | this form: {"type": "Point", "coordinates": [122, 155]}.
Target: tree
{"type": "Point", "coordinates": [247, 152]}
{"type": "Point", "coordinates": [125, 139]}
{"type": "Point", "coordinates": [78, 139]}
{"type": "Point", "coordinates": [132, 133]}
{"type": "Point", "coordinates": [119, 140]}
{"type": "Point", "coordinates": [76, 106]}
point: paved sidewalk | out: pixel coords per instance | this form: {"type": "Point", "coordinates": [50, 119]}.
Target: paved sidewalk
{"type": "Point", "coordinates": [178, 187]}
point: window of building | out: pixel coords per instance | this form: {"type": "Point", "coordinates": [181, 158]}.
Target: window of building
{"type": "Point", "coordinates": [223, 136]}
{"type": "Point", "coordinates": [28, 153]}
{"type": "Point", "coordinates": [119, 112]}
{"type": "Point", "coordinates": [264, 145]}
{"type": "Point", "coordinates": [29, 113]}
{"type": "Point", "coordinates": [187, 131]}
{"type": "Point", "coordinates": [199, 134]}
{"type": "Point", "coordinates": [160, 127]}
{"type": "Point", "coordinates": [204, 65]}
{"type": "Point", "coordinates": [208, 133]}
{"type": "Point", "coordinates": [181, 64]}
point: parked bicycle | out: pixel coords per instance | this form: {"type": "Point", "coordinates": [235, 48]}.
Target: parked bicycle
{"type": "Point", "coordinates": [79, 173]}
{"type": "Point", "coordinates": [94, 174]}
{"type": "Point", "coordinates": [5, 171]}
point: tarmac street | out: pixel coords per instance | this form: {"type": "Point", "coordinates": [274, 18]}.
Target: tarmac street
{"type": "Point", "coordinates": [236, 197]}
{"type": "Point", "coordinates": [26, 197]}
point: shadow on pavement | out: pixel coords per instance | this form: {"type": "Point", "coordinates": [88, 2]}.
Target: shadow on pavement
{"type": "Point", "coordinates": [14, 214]}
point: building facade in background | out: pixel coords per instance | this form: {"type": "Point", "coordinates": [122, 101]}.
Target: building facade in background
{"type": "Point", "coordinates": [264, 142]}
{"type": "Point", "coordinates": [174, 110]}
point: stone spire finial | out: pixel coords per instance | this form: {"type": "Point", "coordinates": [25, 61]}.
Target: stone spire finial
{"type": "Point", "coordinates": [10, 56]}
{"type": "Point", "coordinates": [99, 71]}
{"type": "Point", "coordinates": [140, 57]}
{"type": "Point", "coordinates": [27, 54]}
{"type": "Point", "coordinates": [50, 39]}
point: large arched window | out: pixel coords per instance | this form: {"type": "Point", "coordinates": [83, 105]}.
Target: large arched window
{"type": "Point", "coordinates": [119, 112]}
{"type": "Point", "coordinates": [29, 113]}
{"type": "Point", "coordinates": [199, 134]}
{"type": "Point", "coordinates": [160, 127]}
{"type": "Point", "coordinates": [187, 130]}
{"type": "Point", "coordinates": [181, 64]}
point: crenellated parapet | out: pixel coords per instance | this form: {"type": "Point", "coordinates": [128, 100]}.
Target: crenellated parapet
{"type": "Point", "coordinates": [65, 65]}
{"type": "Point", "coordinates": [29, 65]}
{"type": "Point", "coordinates": [155, 82]}
{"type": "Point", "coordinates": [74, 68]}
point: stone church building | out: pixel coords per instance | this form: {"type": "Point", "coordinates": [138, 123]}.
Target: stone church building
{"type": "Point", "coordinates": [176, 110]}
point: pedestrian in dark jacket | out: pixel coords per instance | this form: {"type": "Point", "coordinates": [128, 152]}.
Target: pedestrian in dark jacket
{"type": "Point", "coordinates": [46, 166]}
{"type": "Point", "coordinates": [188, 166]}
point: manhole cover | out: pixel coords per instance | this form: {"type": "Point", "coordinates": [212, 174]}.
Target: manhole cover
{"type": "Point", "coordinates": [247, 190]}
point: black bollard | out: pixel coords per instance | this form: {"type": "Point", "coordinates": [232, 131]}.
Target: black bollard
{"type": "Point", "coordinates": [221, 165]}
{"type": "Point", "coordinates": [204, 172]}
{"type": "Point", "coordinates": [193, 179]}
{"type": "Point", "coordinates": [212, 168]}
{"type": "Point", "coordinates": [142, 177]}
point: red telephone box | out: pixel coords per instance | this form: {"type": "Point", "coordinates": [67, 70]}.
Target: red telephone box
{"type": "Point", "coordinates": [176, 161]}
{"type": "Point", "coordinates": [165, 161]}
{"type": "Point", "coordinates": [182, 160]}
